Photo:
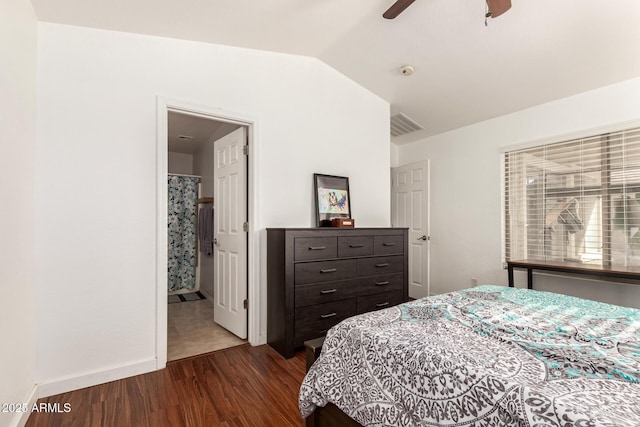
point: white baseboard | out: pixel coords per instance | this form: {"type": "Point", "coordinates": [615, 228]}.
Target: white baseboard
{"type": "Point", "coordinates": [20, 418]}
{"type": "Point", "coordinates": [63, 385]}
{"type": "Point", "coordinates": [206, 294]}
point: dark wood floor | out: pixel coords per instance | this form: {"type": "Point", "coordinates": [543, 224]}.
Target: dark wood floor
{"type": "Point", "coordinates": [240, 386]}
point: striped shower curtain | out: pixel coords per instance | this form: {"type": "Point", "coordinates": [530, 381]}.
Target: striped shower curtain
{"type": "Point", "coordinates": [183, 193]}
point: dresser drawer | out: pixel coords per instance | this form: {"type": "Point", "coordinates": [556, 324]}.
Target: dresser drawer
{"type": "Point", "coordinates": [314, 321]}
{"type": "Point", "coordinates": [381, 283]}
{"type": "Point", "coordinates": [355, 246]}
{"type": "Point", "coordinates": [318, 293]}
{"type": "Point", "coordinates": [380, 265]}
{"type": "Point", "coordinates": [378, 301]}
{"type": "Point", "coordinates": [324, 271]}
{"type": "Point", "coordinates": [386, 245]}
{"type": "Point", "coordinates": [310, 248]}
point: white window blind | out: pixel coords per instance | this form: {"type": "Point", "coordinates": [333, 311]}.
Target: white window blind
{"type": "Point", "coordinates": [576, 200]}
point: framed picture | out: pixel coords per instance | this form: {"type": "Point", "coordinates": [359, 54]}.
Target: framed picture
{"type": "Point", "coordinates": [332, 198]}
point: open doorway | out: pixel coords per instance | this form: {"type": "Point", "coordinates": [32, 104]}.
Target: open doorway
{"type": "Point", "coordinates": [202, 209]}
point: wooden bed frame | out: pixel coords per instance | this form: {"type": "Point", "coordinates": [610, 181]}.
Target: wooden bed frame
{"type": "Point", "coordinates": [330, 415]}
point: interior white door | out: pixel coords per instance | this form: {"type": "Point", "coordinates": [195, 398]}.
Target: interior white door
{"type": "Point", "coordinates": [410, 208]}
{"type": "Point", "coordinates": [230, 239]}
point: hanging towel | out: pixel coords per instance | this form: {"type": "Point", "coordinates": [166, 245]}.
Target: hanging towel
{"type": "Point", "coordinates": [205, 229]}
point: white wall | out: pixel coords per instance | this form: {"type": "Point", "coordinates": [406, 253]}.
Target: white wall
{"type": "Point", "coordinates": [95, 230]}
{"type": "Point", "coordinates": [395, 155]}
{"type": "Point", "coordinates": [18, 34]}
{"type": "Point", "coordinates": [180, 163]}
{"type": "Point", "coordinates": [466, 194]}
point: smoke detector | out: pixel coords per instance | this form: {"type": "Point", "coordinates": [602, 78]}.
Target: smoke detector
{"type": "Point", "coordinates": [407, 70]}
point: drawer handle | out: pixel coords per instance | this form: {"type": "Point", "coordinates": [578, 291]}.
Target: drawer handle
{"type": "Point", "coordinates": [328, 291]}
{"type": "Point", "coordinates": [328, 270]}
{"type": "Point", "coordinates": [382, 304]}
{"type": "Point", "coordinates": [325, 316]}
{"type": "Point", "coordinates": [389, 244]}
{"type": "Point", "coordinates": [386, 282]}
{"type": "Point", "coordinates": [356, 246]}
{"type": "Point", "coordinates": [317, 248]}
{"type": "Point", "coordinates": [384, 264]}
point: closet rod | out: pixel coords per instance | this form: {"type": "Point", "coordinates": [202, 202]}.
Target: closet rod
{"type": "Point", "coordinates": [205, 200]}
{"type": "Point", "coordinates": [182, 174]}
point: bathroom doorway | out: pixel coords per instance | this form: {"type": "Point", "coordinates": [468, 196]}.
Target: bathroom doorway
{"type": "Point", "coordinates": [197, 200]}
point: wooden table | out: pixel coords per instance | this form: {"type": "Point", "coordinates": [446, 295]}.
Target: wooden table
{"type": "Point", "coordinates": [630, 273]}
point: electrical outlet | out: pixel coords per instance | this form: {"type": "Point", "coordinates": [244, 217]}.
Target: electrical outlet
{"type": "Point", "coordinates": [474, 282]}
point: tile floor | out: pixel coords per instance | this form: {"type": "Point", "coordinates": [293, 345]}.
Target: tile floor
{"type": "Point", "coordinates": [191, 330]}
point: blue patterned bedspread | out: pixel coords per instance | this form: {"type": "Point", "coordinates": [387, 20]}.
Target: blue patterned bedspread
{"type": "Point", "coordinates": [487, 356]}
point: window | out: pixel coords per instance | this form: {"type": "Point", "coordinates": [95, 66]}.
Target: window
{"type": "Point", "coordinates": [576, 200]}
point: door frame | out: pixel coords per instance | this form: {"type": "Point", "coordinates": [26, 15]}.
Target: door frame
{"type": "Point", "coordinates": [164, 106]}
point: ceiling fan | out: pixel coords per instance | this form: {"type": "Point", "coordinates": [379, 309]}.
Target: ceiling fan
{"type": "Point", "coordinates": [496, 8]}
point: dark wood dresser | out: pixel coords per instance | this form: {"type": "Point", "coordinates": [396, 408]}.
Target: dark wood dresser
{"type": "Point", "coordinates": [317, 277]}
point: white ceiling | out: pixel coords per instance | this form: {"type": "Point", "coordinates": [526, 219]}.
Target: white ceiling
{"type": "Point", "coordinates": [538, 51]}
{"type": "Point", "coordinates": [200, 128]}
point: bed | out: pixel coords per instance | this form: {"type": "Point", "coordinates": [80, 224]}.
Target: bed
{"type": "Point", "coordinates": [486, 356]}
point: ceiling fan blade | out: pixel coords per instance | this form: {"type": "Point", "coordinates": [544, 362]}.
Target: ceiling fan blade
{"type": "Point", "coordinates": [397, 8]}
{"type": "Point", "coordinates": [498, 7]}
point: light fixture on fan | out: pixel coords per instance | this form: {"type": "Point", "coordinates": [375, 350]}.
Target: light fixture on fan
{"type": "Point", "coordinates": [495, 8]}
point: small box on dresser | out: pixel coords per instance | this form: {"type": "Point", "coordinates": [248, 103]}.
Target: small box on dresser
{"type": "Point", "coordinates": [317, 277]}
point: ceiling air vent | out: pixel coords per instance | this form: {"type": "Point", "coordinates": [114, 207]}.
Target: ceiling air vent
{"type": "Point", "coordinates": [402, 125]}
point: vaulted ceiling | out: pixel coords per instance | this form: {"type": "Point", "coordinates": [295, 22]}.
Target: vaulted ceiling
{"type": "Point", "coordinates": [465, 72]}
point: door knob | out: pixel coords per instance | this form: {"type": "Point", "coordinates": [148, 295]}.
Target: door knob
{"type": "Point", "coordinates": [423, 238]}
